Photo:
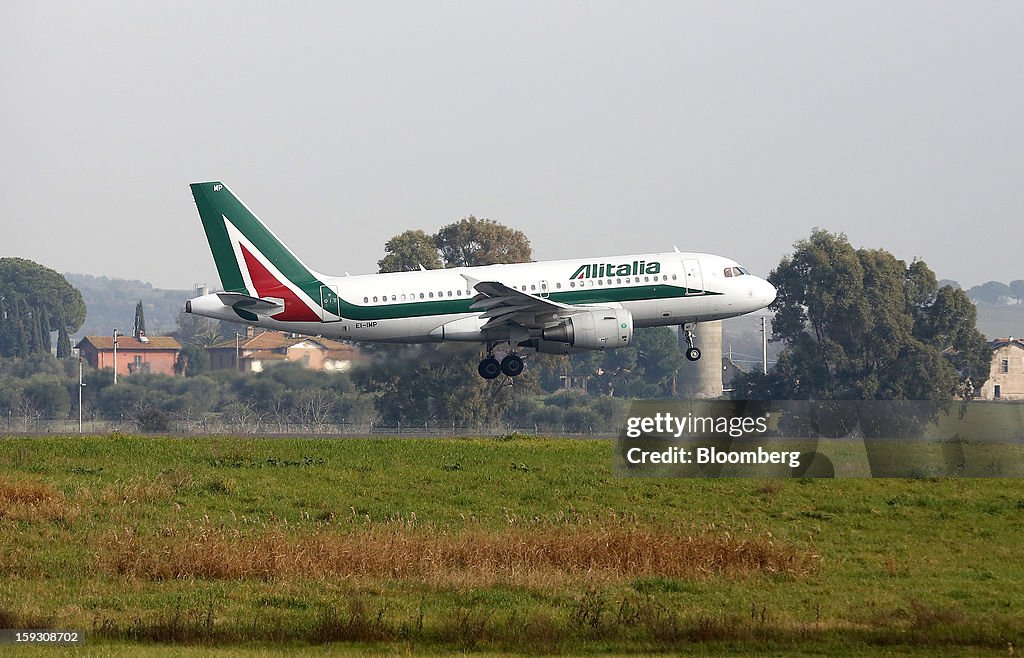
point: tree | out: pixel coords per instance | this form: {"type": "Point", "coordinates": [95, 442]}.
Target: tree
{"type": "Point", "coordinates": [860, 324]}
{"type": "Point", "coordinates": [140, 320]}
{"type": "Point", "coordinates": [41, 293]}
{"type": "Point", "coordinates": [437, 385]}
{"type": "Point", "coordinates": [195, 333]}
{"type": "Point", "coordinates": [314, 406]}
{"type": "Point", "coordinates": [153, 419]}
{"type": "Point", "coordinates": [1017, 289]}
{"type": "Point", "coordinates": [471, 241]}
{"type": "Point", "coordinates": [192, 360]}
{"type": "Point", "coordinates": [21, 342]}
{"type": "Point", "coordinates": [63, 343]}
{"type": "Point", "coordinates": [407, 251]}
{"type": "Point", "coordinates": [645, 369]}
{"type": "Point", "coordinates": [35, 331]}
{"type": "Point", "coordinates": [48, 396]}
{"type": "Point", "coordinates": [660, 357]}
{"type": "Point", "coordinates": [990, 292]}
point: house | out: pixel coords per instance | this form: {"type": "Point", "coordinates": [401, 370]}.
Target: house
{"type": "Point", "coordinates": [256, 352]}
{"type": "Point", "coordinates": [134, 354]}
{"type": "Point", "coordinates": [1006, 375]}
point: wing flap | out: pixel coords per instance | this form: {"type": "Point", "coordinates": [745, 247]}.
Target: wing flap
{"type": "Point", "coordinates": [502, 305]}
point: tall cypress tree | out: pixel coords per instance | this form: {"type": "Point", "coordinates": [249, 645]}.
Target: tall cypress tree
{"type": "Point", "coordinates": [22, 335]}
{"type": "Point", "coordinates": [140, 320]}
{"type": "Point", "coordinates": [63, 339]}
{"type": "Point", "coordinates": [35, 337]}
{"type": "Point", "coordinates": [6, 332]}
{"type": "Point", "coordinates": [63, 343]}
{"type": "Point", "coordinates": [45, 343]}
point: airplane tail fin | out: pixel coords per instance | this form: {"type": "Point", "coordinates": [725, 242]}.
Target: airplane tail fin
{"type": "Point", "coordinates": [250, 259]}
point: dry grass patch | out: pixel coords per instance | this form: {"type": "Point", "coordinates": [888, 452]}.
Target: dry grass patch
{"type": "Point", "coordinates": [133, 492]}
{"type": "Point", "coordinates": [34, 501]}
{"type": "Point", "coordinates": [477, 557]}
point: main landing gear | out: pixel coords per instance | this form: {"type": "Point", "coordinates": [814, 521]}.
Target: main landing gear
{"type": "Point", "coordinates": [692, 353]}
{"type": "Point", "coordinates": [511, 366]}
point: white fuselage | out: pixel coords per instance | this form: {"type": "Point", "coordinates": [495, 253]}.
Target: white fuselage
{"type": "Point", "coordinates": [433, 305]}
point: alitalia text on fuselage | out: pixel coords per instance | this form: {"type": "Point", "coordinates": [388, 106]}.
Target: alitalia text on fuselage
{"type": "Point", "coordinates": [597, 270]}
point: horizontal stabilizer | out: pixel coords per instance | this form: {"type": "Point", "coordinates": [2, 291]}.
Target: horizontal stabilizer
{"type": "Point", "coordinates": [253, 304]}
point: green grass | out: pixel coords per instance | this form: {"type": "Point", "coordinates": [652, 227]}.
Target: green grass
{"type": "Point", "coordinates": [242, 545]}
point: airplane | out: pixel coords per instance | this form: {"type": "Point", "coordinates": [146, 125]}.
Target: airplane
{"type": "Point", "coordinates": [552, 307]}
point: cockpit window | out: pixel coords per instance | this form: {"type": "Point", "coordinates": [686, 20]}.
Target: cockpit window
{"type": "Point", "coordinates": [728, 271]}
{"type": "Point", "coordinates": [736, 271]}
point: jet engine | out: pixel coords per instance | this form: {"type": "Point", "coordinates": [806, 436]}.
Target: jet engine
{"type": "Point", "coordinates": [600, 329]}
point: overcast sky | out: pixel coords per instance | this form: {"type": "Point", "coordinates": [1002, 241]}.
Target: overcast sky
{"type": "Point", "coordinates": [597, 128]}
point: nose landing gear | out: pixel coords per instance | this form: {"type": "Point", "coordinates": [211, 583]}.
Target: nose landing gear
{"type": "Point", "coordinates": [692, 353]}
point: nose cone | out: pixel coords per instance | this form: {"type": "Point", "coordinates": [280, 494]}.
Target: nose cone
{"type": "Point", "coordinates": [767, 292]}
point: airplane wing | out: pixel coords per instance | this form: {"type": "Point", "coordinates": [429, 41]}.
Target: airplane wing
{"type": "Point", "coordinates": [501, 304]}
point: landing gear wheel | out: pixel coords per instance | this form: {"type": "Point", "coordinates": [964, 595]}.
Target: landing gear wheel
{"type": "Point", "coordinates": [512, 365]}
{"type": "Point", "coordinates": [489, 368]}
{"type": "Point", "coordinates": [692, 353]}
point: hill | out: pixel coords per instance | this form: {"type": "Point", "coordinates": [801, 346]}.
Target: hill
{"type": "Point", "coordinates": [111, 304]}
{"type": "Point", "coordinates": [1001, 320]}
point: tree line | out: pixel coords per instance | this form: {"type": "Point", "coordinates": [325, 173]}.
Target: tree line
{"type": "Point", "coordinates": [854, 323]}
{"type": "Point", "coordinates": [439, 393]}
{"type": "Point", "coordinates": [991, 292]}
{"type": "Point", "coordinates": [995, 292]}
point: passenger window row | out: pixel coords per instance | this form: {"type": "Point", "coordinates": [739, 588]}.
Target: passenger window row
{"type": "Point", "coordinates": [589, 283]}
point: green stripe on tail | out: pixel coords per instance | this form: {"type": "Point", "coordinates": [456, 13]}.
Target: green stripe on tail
{"type": "Point", "coordinates": [215, 202]}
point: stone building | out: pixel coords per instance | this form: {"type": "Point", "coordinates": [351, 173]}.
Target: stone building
{"type": "Point", "coordinates": [1006, 376]}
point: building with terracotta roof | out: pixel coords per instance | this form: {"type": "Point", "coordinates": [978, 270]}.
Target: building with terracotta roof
{"type": "Point", "coordinates": [135, 354]}
{"type": "Point", "coordinates": [1006, 376]}
{"type": "Point", "coordinates": [256, 352]}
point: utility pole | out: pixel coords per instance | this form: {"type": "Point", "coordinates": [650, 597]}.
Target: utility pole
{"type": "Point", "coordinates": [81, 385]}
{"type": "Point", "coordinates": [764, 343]}
{"type": "Point", "coordinates": [115, 356]}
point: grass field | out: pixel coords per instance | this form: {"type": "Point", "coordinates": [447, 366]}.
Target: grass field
{"type": "Point", "coordinates": [241, 546]}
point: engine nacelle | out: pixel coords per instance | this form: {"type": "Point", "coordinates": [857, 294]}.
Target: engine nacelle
{"type": "Point", "coordinates": [601, 329]}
